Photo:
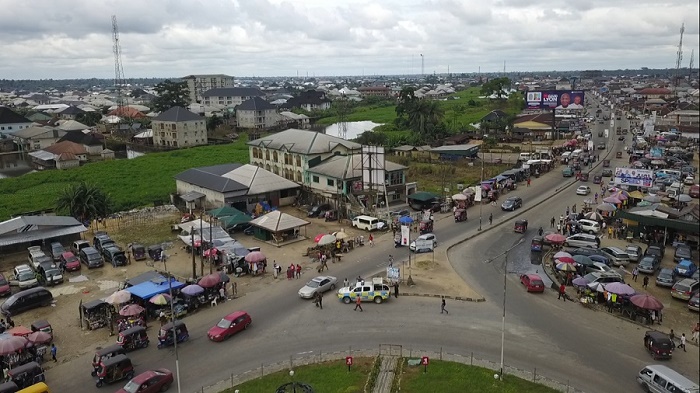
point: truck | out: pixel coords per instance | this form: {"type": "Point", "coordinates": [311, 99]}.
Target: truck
{"type": "Point", "coordinates": [375, 291]}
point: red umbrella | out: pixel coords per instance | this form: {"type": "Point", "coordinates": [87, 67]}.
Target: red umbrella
{"type": "Point", "coordinates": [647, 302]}
{"type": "Point", "coordinates": [10, 344]}
{"type": "Point", "coordinates": [210, 280]}
{"type": "Point", "coordinates": [255, 256]}
{"type": "Point", "coordinates": [555, 238]}
{"type": "Point", "coordinates": [20, 331]}
{"type": "Point", "coordinates": [40, 337]}
{"type": "Point", "coordinates": [212, 251]}
{"type": "Point", "coordinates": [131, 310]}
{"type": "Point", "coordinates": [566, 260]}
{"type": "Point", "coordinates": [319, 236]}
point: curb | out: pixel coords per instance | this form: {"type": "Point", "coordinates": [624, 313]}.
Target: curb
{"type": "Point", "coordinates": [459, 298]}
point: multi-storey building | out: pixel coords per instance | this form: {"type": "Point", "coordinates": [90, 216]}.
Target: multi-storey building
{"type": "Point", "coordinates": [198, 84]}
{"type": "Point", "coordinates": [178, 127]}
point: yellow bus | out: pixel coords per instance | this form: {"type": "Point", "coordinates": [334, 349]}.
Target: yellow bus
{"type": "Point", "coordinates": [36, 388]}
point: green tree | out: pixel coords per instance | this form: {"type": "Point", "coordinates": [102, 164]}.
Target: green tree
{"type": "Point", "coordinates": [495, 86]}
{"type": "Point", "coordinates": [372, 138]}
{"type": "Point", "coordinates": [424, 117]}
{"type": "Point", "coordinates": [214, 122]}
{"type": "Point", "coordinates": [170, 94]}
{"type": "Point", "coordinates": [83, 201]}
{"type": "Point", "coordinates": [89, 118]}
{"type": "Point", "coordinates": [407, 101]}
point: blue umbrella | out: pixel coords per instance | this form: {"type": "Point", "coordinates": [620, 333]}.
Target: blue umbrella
{"type": "Point", "coordinates": [406, 220]}
{"type": "Point", "coordinates": [192, 290]}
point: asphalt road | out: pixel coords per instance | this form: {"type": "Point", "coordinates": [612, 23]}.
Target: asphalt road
{"type": "Point", "coordinates": [564, 341]}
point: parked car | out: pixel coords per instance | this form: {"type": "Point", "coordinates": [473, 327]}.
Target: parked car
{"type": "Point", "coordinates": [151, 381]}
{"type": "Point", "coordinates": [318, 284]}
{"type": "Point", "coordinates": [685, 268]}
{"type": "Point", "coordinates": [618, 256]}
{"type": "Point", "coordinates": [532, 282]}
{"type": "Point", "coordinates": [5, 289]}
{"type": "Point", "coordinates": [583, 190]}
{"type": "Point", "coordinates": [69, 261]}
{"type": "Point", "coordinates": [607, 172]}
{"type": "Point", "coordinates": [599, 267]}
{"type": "Point", "coordinates": [589, 226]}
{"type": "Point", "coordinates": [634, 252]}
{"type": "Point", "coordinates": [114, 256]}
{"type": "Point", "coordinates": [512, 203]}
{"type": "Point", "coordinates": [603, 278]}
{"type": "Point", "coordinates": [24, 277]}
{"type": "Point", "coordinates": [694, 191]}
{"type": "Point", "coordinates": [316, 210]}
{"type": "Point", "coordinates": [26, 299]}
{"type": "Point", "coordinates": [426, 243]}
{"type": "Point", "coordinates": [400, 213]}
{"type": "Point", "coordinates": [50, 274]}
{"type": "Point", "coordinates": [656, 249]}
{"type": "Point", "coordinates": [229, 325]}
{"type": "Point", "coordinates": [694, 302]}
{"type": "Point", "coordinates": [597, 258]}
{"type": "Point", "coordinates": [582, 240]}
{"type": "Point", "coordinates": [685, 288]}
{"type": "Point", "coordinates": [665, 278]}
{"type": "Point", "coordinates": [78, 245]}
{"type": "Point", "coordinates": [683, 251]}
{"type": "Point", "coordinates": [56, 250]}
{"type": "Point", "coordinates": [649, 264]}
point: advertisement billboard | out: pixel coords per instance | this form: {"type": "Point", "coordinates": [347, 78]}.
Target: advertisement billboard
{"type": "Point", "coordinates": [634, 177]}
{"type": "Point", "coordinates": [555, 99]}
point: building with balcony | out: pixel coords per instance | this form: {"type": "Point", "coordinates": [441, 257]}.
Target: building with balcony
{"type": "Point", "coordinates": [198, 84]}
{"type": "Point", "coordinates": [257, 113]}
{"type": "Point", "coordinates": [229, 97]}
{"type": "Point", "coordinates": [178, 127]}
{"type": "Point", "coordinates": [375, 91]}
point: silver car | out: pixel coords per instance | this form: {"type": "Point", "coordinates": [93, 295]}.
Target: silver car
{"type": "Point", "coordinates": [665, 278]}
{"type": "Point", "coordinates": [618, 257]}
{"type": "Point", "coordinates": [319, 284]}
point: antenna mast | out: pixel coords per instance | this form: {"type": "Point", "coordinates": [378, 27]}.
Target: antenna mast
{"type": "Point", "coordinates": [692, 63]}
{"type": "Point", "coordinates": [118, 69]}
{"type": "Point", "coordinates": [679, 58]}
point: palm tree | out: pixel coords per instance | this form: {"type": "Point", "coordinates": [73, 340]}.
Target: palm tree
{"type": "Point", "coordinates": [84, 202]}
{"type": "Point", "coordinates": [425, 115]}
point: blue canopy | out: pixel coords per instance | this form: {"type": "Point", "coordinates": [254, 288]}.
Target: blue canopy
{"type": "Point", "coordinates": [148, 289]}
{"type": "Point", "coordinates": [405, 220]}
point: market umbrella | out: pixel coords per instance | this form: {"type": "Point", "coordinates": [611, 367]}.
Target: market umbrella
{"type": "Point", "coordinates": [131, 310]}
{"type": "Point", "coordinates": [555, 238]}
{"type": "Point", "coordinates": [652, 198]}
{"type": "Point", "coordinates": [606, 207]}
{"type": "Point", "coordinates": [685, 198]}
{"type": "Point", "coordinates": [119, 297]}
{"type": "Point", "coordinates": [192, 290]}
{"type": "Point", "coordinates": [20, 331]}
{"type": "Point", "coordinates": [636, 194]}
{"type": "Point", "coordinates": [566, 267]}
{"type": "Point", "coordinates": [10, 344]}
{"type": "Point", "coordinates": [459, 197]}
{"type": "Point", "coordinates": [593, 216]}
{"type": "Point", "coordinates": [210, 252]}
{"type": "Point", "coordinates": [257, 256]}
{"type": "Point", "coordinates": [644, 203]}
{"type": "Point", "coordinates": [580, 282]}
{"type": "Point", "coordinates": [561, 254]}
{"type": "Point", "coordinates": [326, 239]}
{"type": "Point", "coordinates": [160, 299]}
{"type": "Point", "coordinates": [209, 281]}
{"type": "Point", "coordinates": [621, 196]}
{"type": "Point", "coordinates": [566, 260]}
{"type": "Point", "coordinates": [646, 301]}
{"type": "Point", "coordinates": [319, 236]}
{"type": "Point", "coordinates": [341, 235]}
{"type": "Point", "coordinates": [224, 277]}
{"type": "Point", "coordinates": [468, 191]}
{"type": "Point", "coordinates": [596, 286]}
{"type": "Point", "coordinates": [39, 337]}
{"type": "Point", "coordinates": [583, 260]}
{"type": "Point", "coordinates": [619, 288]}
{"type": "Point", "coordinates": [612, 199]}
{"type": "Point", "coordinates": [405, 220]}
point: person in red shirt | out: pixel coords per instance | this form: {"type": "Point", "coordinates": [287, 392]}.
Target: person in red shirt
{"type": "Point", "coordinates": [562, 292]}
{"type": "Point", "coordinates": [358, 303]}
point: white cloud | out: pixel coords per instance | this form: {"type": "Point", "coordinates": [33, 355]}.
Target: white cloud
{"type": "Point", "coordinates": [166, 38]}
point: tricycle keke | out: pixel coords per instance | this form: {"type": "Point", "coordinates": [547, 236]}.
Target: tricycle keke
{"type": "Point", "coordinates": [104, 354]}
{"type": "Point", "coordinates": [114, 369]}
{"type": "Point", "coordinates": [42, 326]}
{"type": "Point", "coordinates": [138, 251]}
{"type": "Point", "coordinates": [520, 226]}
{"type": "Point", "coordinates": [426, 226]}
{"type": "Point", "coordinates": [460, 215]}
{"type": "Point", "coordinates": [583, 176]}
{"type": "Point", "coordinates": [618, 154]}
{"type": "Point", "coordinates": [133, 338]}
{"type": "Point", "coordinates": [536, 243]}
{"type": "Point", "coordinates": [171, 331]}
{"type": "Point", "coordinates": [606, 163]}
{"type": "Point", "coordinates": [331, 215]}
{"type": "Point", "coordinates": [26, 375]}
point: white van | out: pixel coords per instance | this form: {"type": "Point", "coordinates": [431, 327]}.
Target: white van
{"type": "Point", "coordinates": [661, 379]}
{"type": "Point", "coordinates": [565, 156]}
{"type": "Point", "coordinates": [366, 223]}
{"type": "Point", "coordinates": [524, 157]}
{"type": "Point", "coordinates": [576, 153]}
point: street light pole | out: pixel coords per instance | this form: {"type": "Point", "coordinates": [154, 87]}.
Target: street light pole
{"type": "Point", "coordinates": [172, 320]}
{"type": "Point", "coordinates": [481, 202]}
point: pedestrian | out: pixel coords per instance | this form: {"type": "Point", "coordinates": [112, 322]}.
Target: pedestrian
{"type": "Point", "coordinates": [552, 222]}
{"type": "Point", "coordinates": [562, 292]}
{"type": "Point", "coordinates": [442, 306]}
{"type": "Point", "coordinates": [635, 273]}
{"type": "Point", "coordinates": [528, 182]}
{"type": "Point", "coordinates": [53, 352]}
{"type": "Point", "coordinates": [298, 269]}
{"type": "Point", "coordinates": [558, 228]}
{"type": "Point", "coordinates": [567, 211]}
{"type": "Point", "coordinates": [645, 282]}
{"type": "Point", "coordinates": [396, 289]}
{"type": "Point", "coordinates": [162, 317]}
{"type": "Point", "coordinates": [275, 271]}
{"type": "Point", "coordinates": [358, 303]}
{"type": "Point", "coordinates": [346, 283]}
{"type": "Point", "coordinates": [672, 337]}
{"type": "Point", "coordinates": [320, 299]}
{"type": "Point", "coordinates": [696, 331]}
{"type": "Point", "coordinates": [682, 343]}
{"type": "Point", "coordinates": [490, 218]}
{"type": "Point", "coordinates": [371, 240]}
{"type": "Point", "coordinates": [540, 231]}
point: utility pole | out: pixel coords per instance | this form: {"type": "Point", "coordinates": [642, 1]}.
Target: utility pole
{"type": "Point", "coordinates": [422, 65]}
{"type": "Point", "coordinates": [194, 264]}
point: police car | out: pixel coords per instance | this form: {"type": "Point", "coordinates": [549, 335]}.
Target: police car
{"type": "Point", "coordinates": [376, 291]}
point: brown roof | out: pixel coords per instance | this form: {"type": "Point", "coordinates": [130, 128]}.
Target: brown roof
{"type": "Point", "coordinates": [654, 90]}
{"type": "Point", "coordinates": [66, 147]}
{"type": "Point", "coordinates": [67, 157]}
{"type": "Point", "coordinates": [127, 111]}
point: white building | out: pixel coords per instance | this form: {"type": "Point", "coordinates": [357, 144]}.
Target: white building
{"type": "Point", "coordinates": [178, 127]}
{"type": "Point", "coordinates": [229, 97]}
{"type": "Point", "coordinates": [11, 121]}
{"type": "Point", "coordinates": [198, 84]}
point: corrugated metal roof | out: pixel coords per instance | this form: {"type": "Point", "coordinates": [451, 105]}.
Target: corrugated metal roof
{"type": "Point", "coordinates": [211, 179]}
{"type": "Point", "coordinates": [277, 221]}
{"type": "Point", "coordinates": [259, 180]}
{"type": "Point", "coordinates": [43, 155]}
{"type": "Point", "coordinates": [177, 114]}
{"type": "Point", "coordinates": [303, 141]}
{"type": "Point", "coordinates": [17, 223]}
{"type": "Point", "coordinates": [30, 236]}
{"type": "Point", "coordinates": [348, 167]}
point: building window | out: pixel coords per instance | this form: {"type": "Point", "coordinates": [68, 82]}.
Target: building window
{"type": "Point", "coordinates": [315, 179]}
{"type": "Point", "coordinates": [330, 182]}
{"type": "Point", "coordinates": [267, 154]}
{"type": "Point", "coordinates": [394, 178]}
{"type": "Point", "coordinates": [298, 159]}
{"type": "Point", "coordinates": [298, 177]}
{"type": "Point", "coordinates": [274, 156]}
{"type": "Point", "coordinates": [395, 197]}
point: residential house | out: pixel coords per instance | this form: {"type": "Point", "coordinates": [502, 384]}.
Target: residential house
{"type": "Point", "coordinates": [339, 176]}
{"type": "Point", "coordinates": [71, 125]}
{"type": "Point", "coordinates": [229, 97]}
{"type": "Point", "coordinates": [295, 120]}
{"type": "Point", "coordinates": [178, 127]}
{"type": "Point", "coordinates": [654, 92]}
{"type": "Point", "coordinates": [375, 91]}
{"type": "Point", "coordinates": [39, 117]}
{"type": "Point", "coordinates": [238, 185]}
{"type": "Point", "coordinates": [454, 152]}
{"type": "Point", "coordinates": [408, 151]}
{"type": "Point", "coordinates": [198, 84]}
{"type": "Point", "coordinates": [11, 121]}
{"type": "Point", "coordinates": [62, 155]}
{"type": "Point", "coordinates": [92, 142]}
{"type": "Point", "coordinates": [37, 137]}
{"type": "Point", "coordinates": [540, 125]}
{"type": "Point", "coordinates": [309, 100]}
{"type": "Point", "coordinates": [71, 113]}
{"type": "Point", "coordinates": [256, 113]}
{"type": "Point", "coordinates": [292, 152]}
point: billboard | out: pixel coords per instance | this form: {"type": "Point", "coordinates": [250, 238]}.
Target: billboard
{"type": "Point", "coordinates": [373, 169]}
{"type": "Point", "coordinates": [634, 177]}
{"type": "Point", "coordinates": [555, 99]}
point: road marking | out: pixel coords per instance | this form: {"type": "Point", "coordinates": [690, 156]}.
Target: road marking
{"type": "Point", "coordinates": [304, 353]}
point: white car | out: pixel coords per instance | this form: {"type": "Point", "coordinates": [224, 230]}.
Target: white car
{"type": "Point", "coordinates": [583, 190]}
{"type": "Point", "coordinates": [318, 284]}
{"type": "Point", "coordinates": [24, 277]}
{"type": "Point", "coordinates": [424, 243]}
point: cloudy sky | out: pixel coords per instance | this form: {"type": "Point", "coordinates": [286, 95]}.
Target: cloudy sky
{"type": "Point", "coordinates": [164, 38]}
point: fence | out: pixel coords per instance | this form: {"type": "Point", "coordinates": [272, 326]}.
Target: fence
{"type": "Point", "coordinates": [132, 218]}
{"type": "Point", "coordinates": [472, 359]}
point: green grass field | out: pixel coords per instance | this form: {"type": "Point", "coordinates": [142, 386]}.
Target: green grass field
{"type": "Point", "coordinates": [130, 183]}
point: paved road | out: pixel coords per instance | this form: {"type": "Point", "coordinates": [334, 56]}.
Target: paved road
{"type": "Point", "coordinates": [560, 340]}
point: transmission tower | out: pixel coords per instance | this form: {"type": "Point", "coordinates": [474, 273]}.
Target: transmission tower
{"type": "Point", "coordinates": [342, 108]}
{"type": "Point", "coordinates": [118, 69]}
{"type": "Point", "coordinates": [679, 58]}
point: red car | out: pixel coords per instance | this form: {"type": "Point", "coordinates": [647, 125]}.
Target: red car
{"type": "Point", "coordinates": [532, 282]}
{"type": "Point", "coordinates": [70, 261]}
{"type": "Point", "coordinates": [229, 325]}
{"type": "Point", "coordinates": [4, 286]}
{"type": "Point", "coordinates": [149, 382]}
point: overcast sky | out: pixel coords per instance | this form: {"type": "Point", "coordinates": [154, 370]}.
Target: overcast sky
{"type": "Point", "coordinates": [59, 39]}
